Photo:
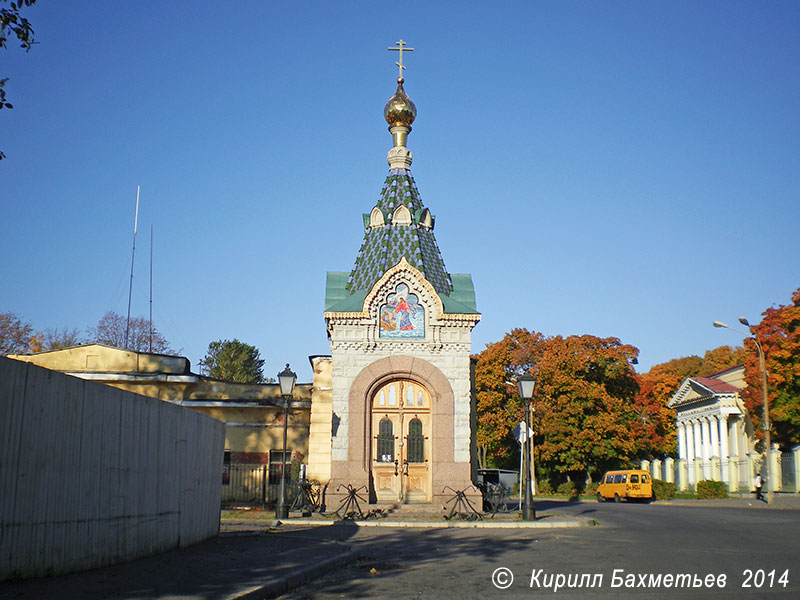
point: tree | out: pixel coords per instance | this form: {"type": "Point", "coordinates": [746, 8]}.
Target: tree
{"type": "Point", "coordinates": [779, 335]}
{"type": "Point", "coordinates": [655, 430]}
{"type": "Point", "coordinates": [583, 404]}
{"type": "Point", "coordinates": [58, 339]}
{"type": "Point", "coordinates": [13, 24]}
{"type": "Point", "coordinates": [110, 330]}
{"type": "Point", "coordinates": [499, 408]}
{"type": "Point", "coordinates": [586, 386]}
{"type": "Point", "coordinates": [232, 360]}
{"type": "Point", "coordinates": [15, 334]}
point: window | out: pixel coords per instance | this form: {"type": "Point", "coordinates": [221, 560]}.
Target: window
{"type": "Point", "coordinates": [645, 479]}
{"type": "Point", "coordinates": [634, 478]}
{"type": "Point", "coordinates": [416, 442]}
{"type": "Point", "coordinates": [385, 441]}
{"type": "Point", "coordinates": [609, 479]}
{"type": "Point", "coordinates": [617, 478]}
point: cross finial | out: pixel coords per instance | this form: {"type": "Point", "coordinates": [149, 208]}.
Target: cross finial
{"type": "Point", "coordinates": [400, 48]}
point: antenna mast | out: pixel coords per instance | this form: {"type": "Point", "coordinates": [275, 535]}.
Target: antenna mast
{"type": "Point", "coordinates": [151, 289]}
{"type": "Point", "coordinates": [133, 256]}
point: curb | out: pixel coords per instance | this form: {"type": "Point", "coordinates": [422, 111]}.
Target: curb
{"type": "Point", "coordinates": [449, 524]}
{"type": "Point", "coordinates": [295, 578]}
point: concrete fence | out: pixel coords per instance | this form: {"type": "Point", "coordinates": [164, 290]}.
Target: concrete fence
{"type": "Point", "coordinates": [91, 475]}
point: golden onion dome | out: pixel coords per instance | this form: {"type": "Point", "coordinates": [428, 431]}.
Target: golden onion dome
{"type": "Point", "coordinates": [400, 110]}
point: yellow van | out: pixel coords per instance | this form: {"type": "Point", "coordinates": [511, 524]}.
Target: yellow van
{"type": "Point", "coordinates": [629, 484]}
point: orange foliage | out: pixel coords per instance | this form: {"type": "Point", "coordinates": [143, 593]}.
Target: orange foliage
{"type": "Point", "coordinates": [779, 334]}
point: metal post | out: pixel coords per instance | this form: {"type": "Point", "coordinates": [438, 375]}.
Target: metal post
{"type": "Point", "coordinates": [767, 440]}
{"type": "Point", "coordinates": [763, 366]}
{"type": "Point", "coordinates": [528, 513]}
{"type": "Point", "coordinates": [264, 487]}
{"type": "Point", "coordinates": [281, 511]}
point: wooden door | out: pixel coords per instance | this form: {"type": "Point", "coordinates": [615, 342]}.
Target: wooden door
{"type": "Point", "coordinates": [401, 449]}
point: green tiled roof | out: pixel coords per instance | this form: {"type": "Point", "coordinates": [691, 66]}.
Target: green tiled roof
{"type": "Point", "coordinates": [383, 247]}
{"type": "Point", "coordinates": [337, 299]}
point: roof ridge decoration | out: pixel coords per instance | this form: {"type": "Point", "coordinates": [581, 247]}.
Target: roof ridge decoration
{"type": "Point", "coordinates": [399, 226]}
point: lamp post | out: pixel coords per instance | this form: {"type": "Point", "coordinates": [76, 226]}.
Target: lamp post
{"type": "Point", "coordinates": [525, 384]}
{"type": "Point", "coordinates": [286, 379]}
{"type": "Point", "coordinates": [763, 367]}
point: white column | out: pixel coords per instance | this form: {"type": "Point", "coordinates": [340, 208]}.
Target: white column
{"type": "Point", "coordinates": [733, 435]}
{"type": "Point", "coordinates": [682, 440]}
{"type": "Point", "coordinates": [723, 449]}
{"type": "Point", "coordinates": [694, 451]}
{"type": "Point", "coordinates": [706, 449]}
{"type": "Point", "coordinates": [713, 425]}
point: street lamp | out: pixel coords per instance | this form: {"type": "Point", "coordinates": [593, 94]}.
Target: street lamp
{"type": "Point", "coordinates": [762, 365]}
{"type": "Point", "coordinates": [525, 384]}
{"type": "Point", "coordinates": [286, 379]}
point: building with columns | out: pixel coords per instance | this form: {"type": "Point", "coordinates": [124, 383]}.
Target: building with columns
{"type": "Point", "coordinates": [715, 437]}
{"type": "Point", "coordinates": [392, 406]}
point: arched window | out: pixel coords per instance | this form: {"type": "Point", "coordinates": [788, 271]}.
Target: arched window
{"type": "Point", "coordinates": [385, 441]}
{"type": "Point", "coordinates": [416, 442]}
{"type": "Point", "coordinates": [402, 216]}
{"type": "Point", "coordinates": [376, 218]}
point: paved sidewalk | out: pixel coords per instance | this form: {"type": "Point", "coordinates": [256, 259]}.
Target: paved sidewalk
{"type": "Point", "coordinates": [252, 559]}
{"type": "Point", "coordinates": [232, 565]}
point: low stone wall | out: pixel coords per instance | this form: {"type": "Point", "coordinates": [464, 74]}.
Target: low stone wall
{"type": "Point", "coordinates": [91, 475]}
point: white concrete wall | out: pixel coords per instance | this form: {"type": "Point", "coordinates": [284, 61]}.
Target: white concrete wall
{"type": "Point", "coordinates": [91, 475]}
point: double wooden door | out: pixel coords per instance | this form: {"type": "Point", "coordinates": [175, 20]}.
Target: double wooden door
{"type": "Point", "coordinates": [401, 445]}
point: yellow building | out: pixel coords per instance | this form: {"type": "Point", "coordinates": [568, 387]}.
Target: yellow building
{"type": "Point", "coordinates": [252, 413]}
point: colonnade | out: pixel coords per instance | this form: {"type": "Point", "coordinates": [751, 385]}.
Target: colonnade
{"type": "Point", "coordinates": [704, 437]}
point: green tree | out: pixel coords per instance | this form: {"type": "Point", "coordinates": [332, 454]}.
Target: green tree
{"type": "Point", "coordinates": [110, 330]}
{"type": "Point", "coordinates": [232, 360]}
{"type": "Point", "coordinates": [779, 335]}
{"type": "Point", "coordinates": [13, 24]}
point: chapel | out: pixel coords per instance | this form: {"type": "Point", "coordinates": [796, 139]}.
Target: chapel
{"type": "Point", "coordinates": [392, 409]}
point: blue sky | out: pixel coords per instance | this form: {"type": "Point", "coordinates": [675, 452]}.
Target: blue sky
{"type": "Point", "coordinates": [621, 169]}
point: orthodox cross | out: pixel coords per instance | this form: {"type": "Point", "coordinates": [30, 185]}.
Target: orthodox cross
{"type": "Point", "coordinates": [400, 49]}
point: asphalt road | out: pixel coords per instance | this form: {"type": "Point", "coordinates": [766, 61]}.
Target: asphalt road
{"type": "Point", "coordinates": [722, 549]}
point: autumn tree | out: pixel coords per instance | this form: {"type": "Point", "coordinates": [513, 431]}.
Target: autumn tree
{"type": "Point", "coordinates": [15, 334]}
{"type": "Point", "coordinates": [499, 408]}
{"type": "Point", "coordinates": [60, 338]}
{"type": "Point", "coordinates": [586, 389]}
{"type": "Point", "coordinates": [655, 423]}
{"type": "Point", "coordinates": [232, 360]}
{"type": "Point", "coordinates": [14, 25]}
{"type": "Point", "coordinates": [111, 331]}
{"type": "Point", "coordinates": [779, 335]}
{"type": "Point", "coordinates": [583, 410]}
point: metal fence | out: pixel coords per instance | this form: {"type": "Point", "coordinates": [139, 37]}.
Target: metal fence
{"type": "Point", "coordinates": [251, 484]}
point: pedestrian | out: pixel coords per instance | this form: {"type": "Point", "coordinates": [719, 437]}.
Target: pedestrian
{"type": "Point", "coordinates": [757, 484]}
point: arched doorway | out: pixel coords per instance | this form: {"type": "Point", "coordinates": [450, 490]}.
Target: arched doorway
{"type": "Point", "coordinates": [401, 442]}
